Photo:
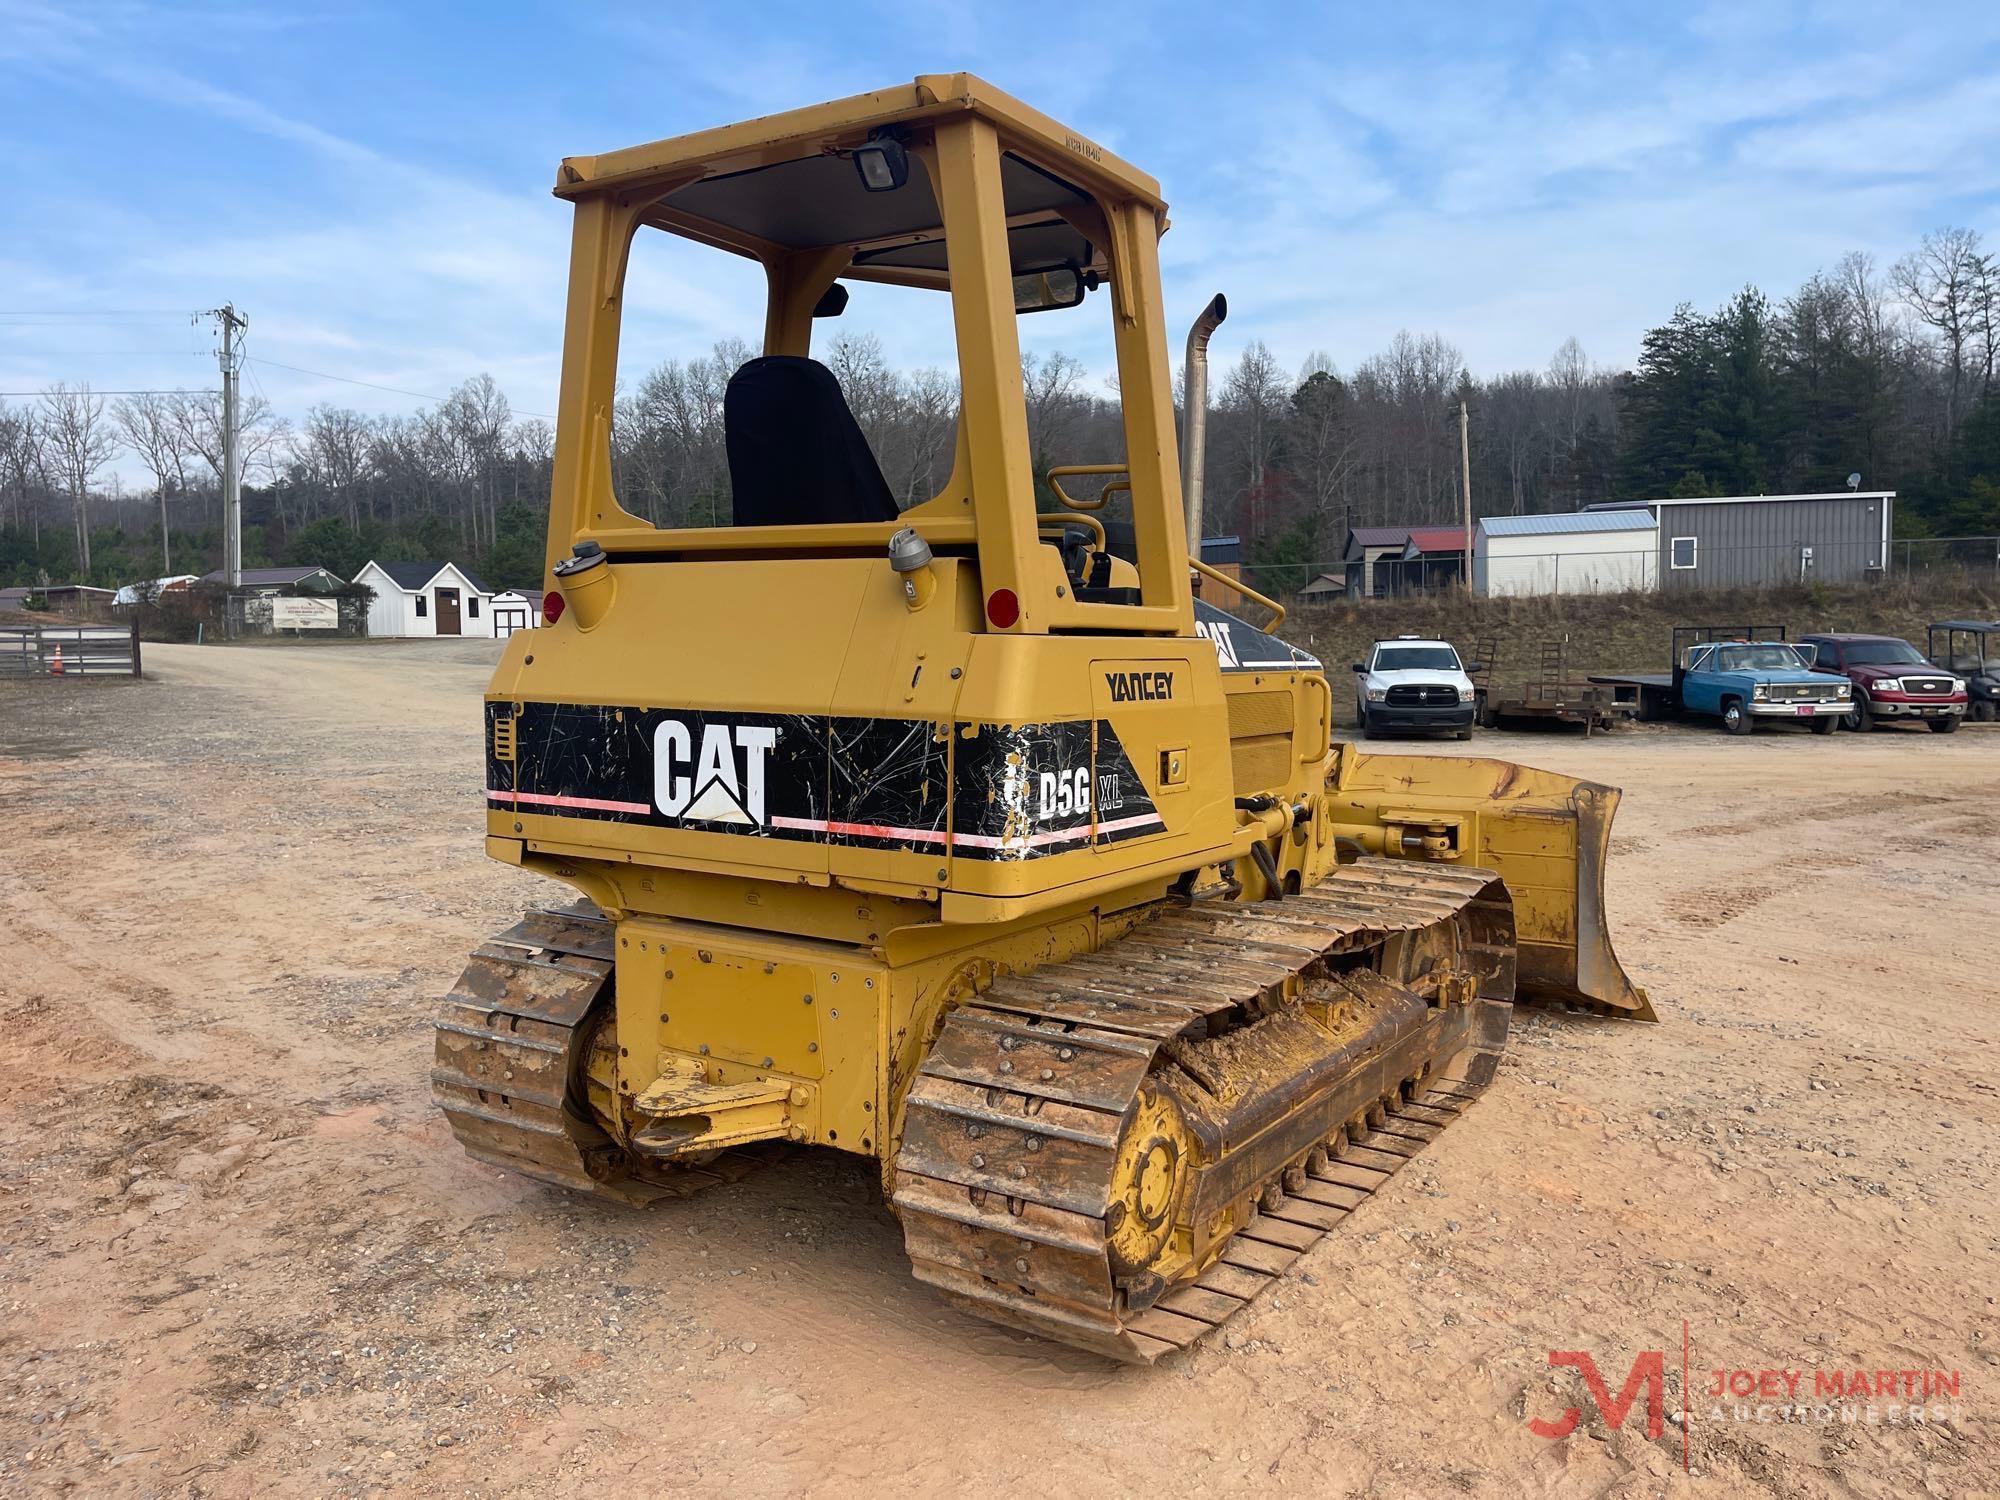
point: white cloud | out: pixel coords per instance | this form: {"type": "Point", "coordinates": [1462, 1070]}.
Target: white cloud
{"type": "Point", "coordinates": [1505, 182]}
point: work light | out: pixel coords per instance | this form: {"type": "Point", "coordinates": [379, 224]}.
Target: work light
{"type": "Point", "coordinates": [883, 164]}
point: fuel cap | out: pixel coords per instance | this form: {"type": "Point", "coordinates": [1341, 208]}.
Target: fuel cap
{"type": "Point", "coordinates": [584, 556]}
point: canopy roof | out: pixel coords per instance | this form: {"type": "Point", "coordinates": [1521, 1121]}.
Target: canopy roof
{"type": "Point", "coordinates": [785, 182]}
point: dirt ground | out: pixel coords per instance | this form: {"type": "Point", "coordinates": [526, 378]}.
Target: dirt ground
{"type": "Point", "coordinates": [243, 1255]}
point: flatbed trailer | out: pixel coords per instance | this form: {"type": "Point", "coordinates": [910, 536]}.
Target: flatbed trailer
{"type": "Point", "coordinates": [1556, 697]}
{"type": "Point", "coordinates": [1653, 696]}
{"type": "Point", "coordinates": [1645, 696]}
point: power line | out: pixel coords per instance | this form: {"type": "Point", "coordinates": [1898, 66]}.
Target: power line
{"type": "Point", "coordinates": [146, 353]}
{"type": "Point", "coordinates": [91, 390]}
{"type": "Point", "coordinates": [394, 390]}
{"type": "Point", "coordinates": [52, 313]}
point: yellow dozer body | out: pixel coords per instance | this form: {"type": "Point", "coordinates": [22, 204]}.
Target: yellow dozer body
{"type": "Point", "coordinates": [967, 838]}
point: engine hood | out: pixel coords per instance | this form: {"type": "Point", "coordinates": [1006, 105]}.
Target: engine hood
{"type": "Point", "coordinates": [1877, 671]}
{"type": "Point", "coordinates": [1418, 675]}
{"type": "Point", "coordinates": [1824, 679]}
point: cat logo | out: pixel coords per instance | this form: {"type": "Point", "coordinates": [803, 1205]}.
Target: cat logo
{"type": "Point", "coordinates": [1139, 687]}
{"type": "Point", "coordinates": [721, 781]}
{"type": "Point", "coordinates": [1225, 643]}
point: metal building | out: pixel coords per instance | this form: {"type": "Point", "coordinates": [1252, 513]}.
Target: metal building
{"type": "Point", "coordinates": [1584, 553]}
{"type": "Point", "coordinates": [1224, 554]}
{"type": "Point", "coordinates": [1750, 540]}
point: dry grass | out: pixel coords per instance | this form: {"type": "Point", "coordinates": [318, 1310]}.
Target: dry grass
{"type": "Point", "coordinates": [1631, 632]}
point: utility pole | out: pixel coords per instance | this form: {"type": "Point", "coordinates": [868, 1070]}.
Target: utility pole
{"type": "Point", "coordinates": [230, 357]}
{"type": "Point", "coordinates": [1465, 474]}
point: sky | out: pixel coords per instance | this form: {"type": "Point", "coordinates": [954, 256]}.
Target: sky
{"type": "Point", "coordinates": [369, 184]}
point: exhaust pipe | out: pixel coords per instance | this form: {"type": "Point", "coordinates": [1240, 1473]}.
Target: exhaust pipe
{"type": "Point", "coordinates": [1194, 422]}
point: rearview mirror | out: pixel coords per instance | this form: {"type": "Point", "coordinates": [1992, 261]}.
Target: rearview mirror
{"type": "Point", "coordinates": [1043, 291]}
{"type": "Point", "coordinates": [1359, 668]}
{"type": "Point", "coordinates": [832, 302]}
{"type": "Point", "coordinates": [1474, 666]}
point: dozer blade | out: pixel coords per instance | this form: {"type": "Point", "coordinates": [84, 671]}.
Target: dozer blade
{"type": "Point", "coordinates": [1547, 836]}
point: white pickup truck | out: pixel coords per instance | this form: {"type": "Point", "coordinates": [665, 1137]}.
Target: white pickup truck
{"type": "Point", "coordinates": [1414, 684]}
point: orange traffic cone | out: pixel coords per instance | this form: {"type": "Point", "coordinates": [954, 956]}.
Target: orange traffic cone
{"type": "Point", "coordinates": [56, 666]}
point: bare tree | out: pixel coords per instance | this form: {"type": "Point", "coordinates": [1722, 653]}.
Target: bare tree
{"type": "Point", "coordinates": [21, 463]}
{"type": "Point", "coordinates": [930, 399]}
{"type": "Point", "coordinates": [335, 447]}
{"type": "Point", "coordinates": [1323, 444]}
{"type": "Point", "coordinates": [197, 418]}
{"type": "Point", "coordinates": [1253, 404]}
{"type": "Point", "coordinates": [81, 442]}
{"type": "Point", "coordinates": [1945, 281]}
{"type": "Point", "coordinates": [151, 431]}
{"type": "Point", "coordinates": [1569, 381]}
{"type": "Point", "coordinates": [1053, 386]}
{"type": "Point", "coordinates": [476, 419]}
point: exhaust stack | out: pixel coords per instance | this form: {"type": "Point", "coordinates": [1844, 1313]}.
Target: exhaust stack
{"type": "Point", "coordinates": [1194, 422]}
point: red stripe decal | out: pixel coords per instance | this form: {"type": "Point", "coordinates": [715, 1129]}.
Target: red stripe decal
{"type": "Point", "coordinates": [1057, 835]}
{"type": "Point", "coordinates": [865, 830]}
{"type": "Point", "coordinates": [543, 799]}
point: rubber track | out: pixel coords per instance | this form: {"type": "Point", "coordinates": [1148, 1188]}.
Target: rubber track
{"type": "Point", "coordinates": [1014, 1119]}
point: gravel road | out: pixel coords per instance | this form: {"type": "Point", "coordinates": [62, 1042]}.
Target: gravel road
{"type": "Point", "coordinates": [243, 1255]}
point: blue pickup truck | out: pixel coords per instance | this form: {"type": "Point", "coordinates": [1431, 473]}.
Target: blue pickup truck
{"type": "Point", "coordinates": [1740, 682]}
{"type": "Point", "coordinates": [1739, 675]}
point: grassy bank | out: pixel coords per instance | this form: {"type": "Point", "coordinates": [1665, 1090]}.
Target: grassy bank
{"type": "Point", "coordinates": [1630, 632]}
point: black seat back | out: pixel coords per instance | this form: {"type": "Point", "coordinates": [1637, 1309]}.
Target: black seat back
{"type": "Point", "coordinates": [796, 455]}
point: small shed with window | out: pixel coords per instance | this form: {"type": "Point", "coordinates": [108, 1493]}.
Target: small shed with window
{"type": "Point", "coordinates": [426, 599]}
{"type": "Point", "coordinates": [1374, 558]}
{"type": "Point", "coordinates": [516, 609]}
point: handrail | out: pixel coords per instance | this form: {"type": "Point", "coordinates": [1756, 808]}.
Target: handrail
{"type": "Point", "coordinates": [1044, 521]}
{"type": "Point", "coordinates": [1277, 609]}
{"type": "Point", "coordinates": [1063, 471]}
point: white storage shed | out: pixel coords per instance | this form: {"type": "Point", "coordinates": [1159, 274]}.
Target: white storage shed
{"type": "Point", "coordinates": [516, 609]}
{"type": "Point", "coordinates": [1589, 552]}
{"type": "Point", "coordinates": [426, 599]}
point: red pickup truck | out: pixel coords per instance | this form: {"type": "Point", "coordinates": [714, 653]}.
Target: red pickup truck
{"type": "Point", "coordinates": [1892, 680]}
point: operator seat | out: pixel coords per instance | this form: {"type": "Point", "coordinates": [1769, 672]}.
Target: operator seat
{"type": "Point", "coordinates": [797, 457]}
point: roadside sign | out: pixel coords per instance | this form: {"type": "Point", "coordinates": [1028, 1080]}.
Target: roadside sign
{"type": "Point", "coordinates": [305, 614]}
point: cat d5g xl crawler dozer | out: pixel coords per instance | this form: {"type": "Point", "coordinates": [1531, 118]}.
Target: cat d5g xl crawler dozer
{"type": "Point", "coordinates": [968, 838]}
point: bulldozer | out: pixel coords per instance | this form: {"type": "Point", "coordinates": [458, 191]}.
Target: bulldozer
{"type": "Point", "coordinates": [973, 836]}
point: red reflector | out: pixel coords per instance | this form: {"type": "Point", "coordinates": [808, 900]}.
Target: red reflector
{"type": "Point", "coordinates": [1002, 608]}
{"type": "Point", "coordinates": [552, 607]}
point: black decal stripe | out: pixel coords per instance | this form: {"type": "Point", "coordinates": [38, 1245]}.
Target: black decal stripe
{"type": "Point", "coordinates": [982, 791]}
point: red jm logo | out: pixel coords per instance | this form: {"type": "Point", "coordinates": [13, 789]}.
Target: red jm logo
{"type": "Point", "coordinates": [1648, 1370]}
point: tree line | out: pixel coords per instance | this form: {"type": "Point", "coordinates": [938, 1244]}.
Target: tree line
{"type": "Point", "coordinates": [1889, 374]}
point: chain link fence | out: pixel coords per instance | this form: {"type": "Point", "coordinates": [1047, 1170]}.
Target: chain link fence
{"type": "Point", "coordinates": [1506, 572]}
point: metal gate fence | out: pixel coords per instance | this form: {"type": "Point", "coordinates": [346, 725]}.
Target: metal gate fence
{"type": "Point", "coordinates": [69, 651]}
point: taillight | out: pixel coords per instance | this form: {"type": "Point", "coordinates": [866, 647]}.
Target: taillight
{"type": "Point", "coordinates": [552, 606]}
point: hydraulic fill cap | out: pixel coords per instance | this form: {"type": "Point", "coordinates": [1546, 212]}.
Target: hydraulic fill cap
{"type": "Point", "coordinates": [587, 583]}
{"type": "Point", "coordinates": [910, 558]}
